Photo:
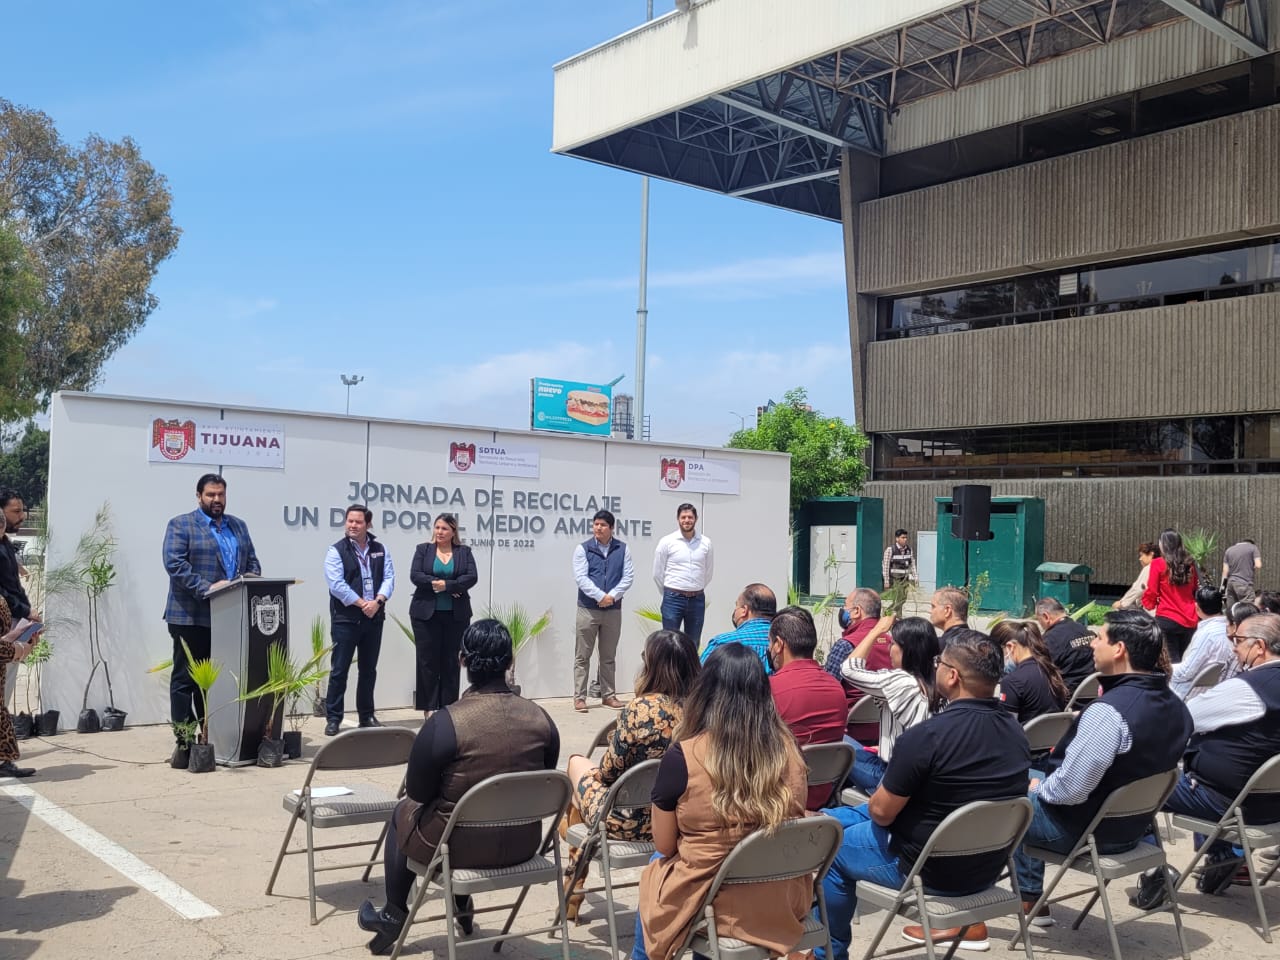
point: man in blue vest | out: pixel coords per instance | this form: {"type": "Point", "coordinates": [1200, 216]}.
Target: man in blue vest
{"type": "Point", "coordinates": [1138, 728]}
{"type": "Point", "coordinates": [603, 569]}
{"type": "Point", "coordinates": [361, 579]}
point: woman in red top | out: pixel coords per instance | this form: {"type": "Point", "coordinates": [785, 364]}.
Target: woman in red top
{"type": "Point", "coordinates": [1171, 593]}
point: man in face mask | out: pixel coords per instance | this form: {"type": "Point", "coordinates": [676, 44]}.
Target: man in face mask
{"type": "Point", "coordinates": [752, 613]}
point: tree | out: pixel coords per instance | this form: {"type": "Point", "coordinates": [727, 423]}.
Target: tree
{"type": "Point", "coordinates": [25, 466]}
{"type": "Point", "coordinates": [19, 297]}
{"type": "Point", "coordinates": [95, 221]}
{"type": "Point", "coordinates": [826, 453]}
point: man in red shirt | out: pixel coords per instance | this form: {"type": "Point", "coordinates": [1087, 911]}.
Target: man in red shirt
{"type": "Point", "coordinates": [809, 700]}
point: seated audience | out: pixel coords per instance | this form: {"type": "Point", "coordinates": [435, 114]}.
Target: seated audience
{"type": "Point", "coordinates": [1032, 685]}
{"type": "Point", "coordinates": [1237, 729]}
{"type": "Point", "coordinates": [733, 769]}
{"type": "Point", "coordinates": [809, 700]}
{"type": "Point", "coordinates": [1209, 645]}
{"type": "Point", "coordinates": [973, 750]}
{"type": "Point", "coordinates": [1132, 599]}
{"type": "Point", "coordinates": [904, 693]}
{"type": "Point", "coordinates": [1138, 728]}
{"type": "Point", "coordinates": [752, 613]}
{"type": "Point", "coordinates": [949, 611]}
{"type": "Point", "coordinates": [862, 610]}
{"type": "Point", "coordinates": [1068, 642]}
{"type": "Point", "coordinates": [1269, 601]}
{"type": "Point", "coordinates": [668, 667]}
{"type": "Point", "coordinates": [487, 731]}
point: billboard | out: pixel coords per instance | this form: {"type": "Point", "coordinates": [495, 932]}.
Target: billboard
{"type": "Point", "coordinates": [566, 406]}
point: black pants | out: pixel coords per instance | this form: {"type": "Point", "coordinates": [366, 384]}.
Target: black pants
{"type": "Point", "coordinates": [184, 696]}
{"type": "Point", "coordinates": [437, 642]}
{"type": "Point", "coordinates": [398, 876]}
{"type": "Point", "coordinates": [1176, 637]}
{"type": "Point", "coordinates": [363, 636]}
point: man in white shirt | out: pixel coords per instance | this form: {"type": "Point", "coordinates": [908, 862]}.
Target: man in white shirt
{"type": "Point", "coordinates": [1209, 645]}
{"type": "Point", "coordinates": [682, 567]}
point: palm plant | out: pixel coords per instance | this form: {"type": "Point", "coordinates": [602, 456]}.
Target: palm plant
{"type": "Point", "coordinates": [318, 650]}
{"type": "Point", "coordinates": [204, 674]}
{"type": "Point", "coordinates": [521, 626]}
{"type": "Point", "coordinates": [1201, 544]}
{"type": "Point", "coordinates": [279, 673]}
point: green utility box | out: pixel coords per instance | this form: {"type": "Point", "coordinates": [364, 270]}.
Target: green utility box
{"type": "Point", "coordinates": [1068, 583]}
{"type": "Point", "coordinates": [1010, 558]}
{"type": "Point", "coordinates": [838, 543]}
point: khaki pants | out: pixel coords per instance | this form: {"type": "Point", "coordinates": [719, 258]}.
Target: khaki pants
{"type": "Point", "coordinates": [592, 624]}
{"type": "Point", "coordinates": [1238, 590]}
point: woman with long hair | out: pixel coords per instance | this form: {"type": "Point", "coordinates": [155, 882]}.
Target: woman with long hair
{"type": "Point", "coordinates": [668, 668]}
{"type": "Point", "coordinates": [1170, 597]}
{"type": "Point", "coordinates": [443, 572]}
{"type": "Point", "coordinates": [734, 769]}
{"type": "Point", "coordinates": [904, 693]}
{"type": "Point", "coordinates": [1033, 686]}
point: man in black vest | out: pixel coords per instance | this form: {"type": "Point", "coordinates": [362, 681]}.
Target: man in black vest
{"type": "Point", "coordinates": [1237, 729]}
{"type": "Point", "coordinates": [603, 570]}
{"type": "Point", "coordinates": [898, 562]}
{"type": "Point", "coordinates": [1138, 728]}
{"type": "Point", "coordinates": [361, 579]}
{"type": "Point", "coordinates": [1070, 643]}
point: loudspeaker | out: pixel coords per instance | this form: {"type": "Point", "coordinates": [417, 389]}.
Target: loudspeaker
{"type": "Point", "coordinates": [971, 512]}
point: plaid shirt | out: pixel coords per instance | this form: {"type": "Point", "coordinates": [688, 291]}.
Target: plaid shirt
{"type": "Point", "coordinates": [194, 563]}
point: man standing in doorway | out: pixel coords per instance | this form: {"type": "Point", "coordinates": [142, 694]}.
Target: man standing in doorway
{"type": "Point", "coordinates": [682, 567]}
{"type": "Point", "coordinates": [603, 569]}
{"type": "Point", "coordinates": [361, 579]}
{"type": "Point", "coordinates": [202, 550]}
{"type": "Point", "coordinates": [1240, 564]}
{"type": "Point", "coordinates": [899, 562]}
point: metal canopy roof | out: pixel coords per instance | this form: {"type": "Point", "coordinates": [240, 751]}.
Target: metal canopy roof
{"type": "Point", "coordinates": [778, 138]}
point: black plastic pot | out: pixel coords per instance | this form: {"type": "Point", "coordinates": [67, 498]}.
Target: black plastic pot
{"type": "Point", "coordinates": [46, 724]}
{"type": "Point", "coordinates": [293, 744]}
{"type": "Point", "coordinates": [181, 759]}
{"type": "Point", "coordinates": [201, 758]}
{"type": "Point", "coordinates": [88, 722]}
{"type": "Point", "coordinates": [24, 725]}
{"type": "Point", "coordinates": [271, 753]}
{"type": "Point", "coordinates": [113, 719]}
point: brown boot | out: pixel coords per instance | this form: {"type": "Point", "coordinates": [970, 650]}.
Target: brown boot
{"type": "Point", "coordinates": [572, 899]}
{"type": "Point", "coordinates": [975, 938]}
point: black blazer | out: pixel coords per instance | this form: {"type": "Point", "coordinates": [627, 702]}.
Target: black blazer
{"type": "Point", "coordinates": [423, 604]}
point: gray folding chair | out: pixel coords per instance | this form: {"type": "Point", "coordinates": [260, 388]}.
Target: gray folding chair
{"type": "Point", "coordinates": [1233, 829]}
{"type": "Point", "coordinates": [602, 738]}
{"type": "Point", "coordinates": [363, 749]}
{"type": "Point", "coordinates": [865, 710]}
{"type": "Point", "coordinates": [1142, 798]}
{"type": "Point", "coordinates": [983, 826]}
{"type": "Point", "coordinates": [1044, 732]}
{"type": "Point", "coordinates": [633, 790]}
{"type": "Point", "coordinates": [796, 849]}
{"type": "Point", "coordinates": [505, 800]}
{"type": "Point", "coordinates": [1087, 692]}
{"type": "Point", "coordinates": [1206, 678]}
{"type": "Point", "coordinates": [829, 765]}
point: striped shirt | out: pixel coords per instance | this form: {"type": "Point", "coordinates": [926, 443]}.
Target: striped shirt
{"type": "Point", "coordinates": [898, 695]}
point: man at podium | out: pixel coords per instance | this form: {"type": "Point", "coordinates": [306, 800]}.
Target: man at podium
{"type": "Point", "coordinates": [202, 550]}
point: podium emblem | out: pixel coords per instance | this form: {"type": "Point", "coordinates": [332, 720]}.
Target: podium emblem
{"type": "Point", "coordinates": [267, 614]}
{"type": "Point", "coordinates": [173, 438]}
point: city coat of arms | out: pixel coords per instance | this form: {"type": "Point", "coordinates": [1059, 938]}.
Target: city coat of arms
{"type": "Point", "coordinates": [267, 614]}
{"type": "Point", "coordinates": [173, 438]}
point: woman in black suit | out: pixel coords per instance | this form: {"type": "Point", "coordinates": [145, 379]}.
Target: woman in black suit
{"type": "Point", "coordinates": [443, 572]}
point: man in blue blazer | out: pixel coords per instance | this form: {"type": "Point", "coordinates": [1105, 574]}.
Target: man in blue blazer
{"type": "Point", "coordinates": [203, 549]}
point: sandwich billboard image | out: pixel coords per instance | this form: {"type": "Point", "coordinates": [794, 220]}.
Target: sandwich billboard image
{"type": "Point", "coordinates": [567, 406]}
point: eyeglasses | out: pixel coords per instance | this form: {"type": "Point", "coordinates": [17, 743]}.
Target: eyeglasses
{"type": "Point", "coordinates": [1240, 639]}
{"type": "Point", "coordinates": [939, 662]}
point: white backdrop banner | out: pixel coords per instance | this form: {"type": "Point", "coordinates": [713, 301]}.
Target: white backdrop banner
{"type": "Point", "coordinates": [699, 476]}
{"type": "Point", "coordinates": [489, 459]}
{"type": "Point", "coordinates": [180, 440]}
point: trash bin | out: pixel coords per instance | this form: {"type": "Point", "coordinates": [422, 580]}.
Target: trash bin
{"type": "Point", "coordinates": [1068, 583]}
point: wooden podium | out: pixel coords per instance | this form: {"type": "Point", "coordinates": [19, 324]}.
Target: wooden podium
{"type": "Point", "coordinates": [246, 617]}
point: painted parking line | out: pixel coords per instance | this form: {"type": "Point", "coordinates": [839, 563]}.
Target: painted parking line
{"type": "Point", "coordinates": [178, 899]}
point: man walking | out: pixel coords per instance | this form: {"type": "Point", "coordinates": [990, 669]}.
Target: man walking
{"type": "Point", "coordinates": [1240, 565]}
{"type": "Point", "coordinates": [361, 579]}
{"type": "Point", "coordinates": [604, 572]}
{"type": "Point", "coordinates": [898, 563]}
{"type": "Point", "coordinates": [202, 550]}
{"type": "Point", "coordinates": [682, 567]}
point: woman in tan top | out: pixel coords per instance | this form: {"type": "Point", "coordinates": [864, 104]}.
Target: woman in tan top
{"type": "Point", "coordinates": [733, 769]}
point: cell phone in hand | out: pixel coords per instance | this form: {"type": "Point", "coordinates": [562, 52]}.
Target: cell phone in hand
{"type": "Point", "coordinates": [30, 632]}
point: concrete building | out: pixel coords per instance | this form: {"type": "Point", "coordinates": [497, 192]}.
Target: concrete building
{"type": "Point", "coordinates": [1061, 227]}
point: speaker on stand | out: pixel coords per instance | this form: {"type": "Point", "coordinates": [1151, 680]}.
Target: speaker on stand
{"type": "Point", "coordinates": [970, 518]}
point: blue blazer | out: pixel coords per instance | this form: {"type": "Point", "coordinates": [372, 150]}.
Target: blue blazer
{"type": "Point", "coordinates": [194, 564]}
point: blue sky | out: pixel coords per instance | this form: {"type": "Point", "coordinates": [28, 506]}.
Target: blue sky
{"type": "Point", "coordinates": [368, 188]}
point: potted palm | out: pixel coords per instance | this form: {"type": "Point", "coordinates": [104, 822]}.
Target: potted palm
{"type": "Point", "coordinates": [523, 628]}
{"type": "Point", "coordinates": [271, 750]}
{"type": "Point", "coordinates": [318, 650]}
{"type": "Point", "coordinates": [204, 674]}
{"type": "Point", "coordinates": [184, 731]}
{"type": "Point", "coordinates": [302, 678]}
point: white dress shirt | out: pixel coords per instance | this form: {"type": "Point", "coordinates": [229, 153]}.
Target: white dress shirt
{"type": "Point", "coordinates": [1209, 645]}
{"type": "Point", "coordinates": [681, 564]}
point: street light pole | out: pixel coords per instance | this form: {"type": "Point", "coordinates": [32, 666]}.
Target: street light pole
{"type": "Point", "coordinates": [741, 417]}
{"type": "Point", "coordinates": [350, 382]}
{"type": "Point", "coordinates": [642, 305]}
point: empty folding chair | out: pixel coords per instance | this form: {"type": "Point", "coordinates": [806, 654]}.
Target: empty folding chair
{"type": "Point", "coordinates": [829, 765]}
{"type": "Point", "coordinates": [347, 805]}
{"type": "Point", "coordinates": [983, 826]}
{"type": "Point", "coordinates": [1142, 798]}
{"type": "Point", "coordinates": [505, 800]}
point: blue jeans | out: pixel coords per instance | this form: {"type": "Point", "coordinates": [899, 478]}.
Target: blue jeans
{"type": "Point", "coordinates": [864, 855]}
{"type": "Point", "coordinates": [1194, 799]}
{"type": "Point", "coordinates": [349, 638]}
{"type": "Point", "coordinates": [1049, 830]}
{"type": "Point", "coordinates": [868, 768]}
{"type": "Point", "coordinates": [676, 607]}
{"type": "Point", "coordinates": [638, 951]}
